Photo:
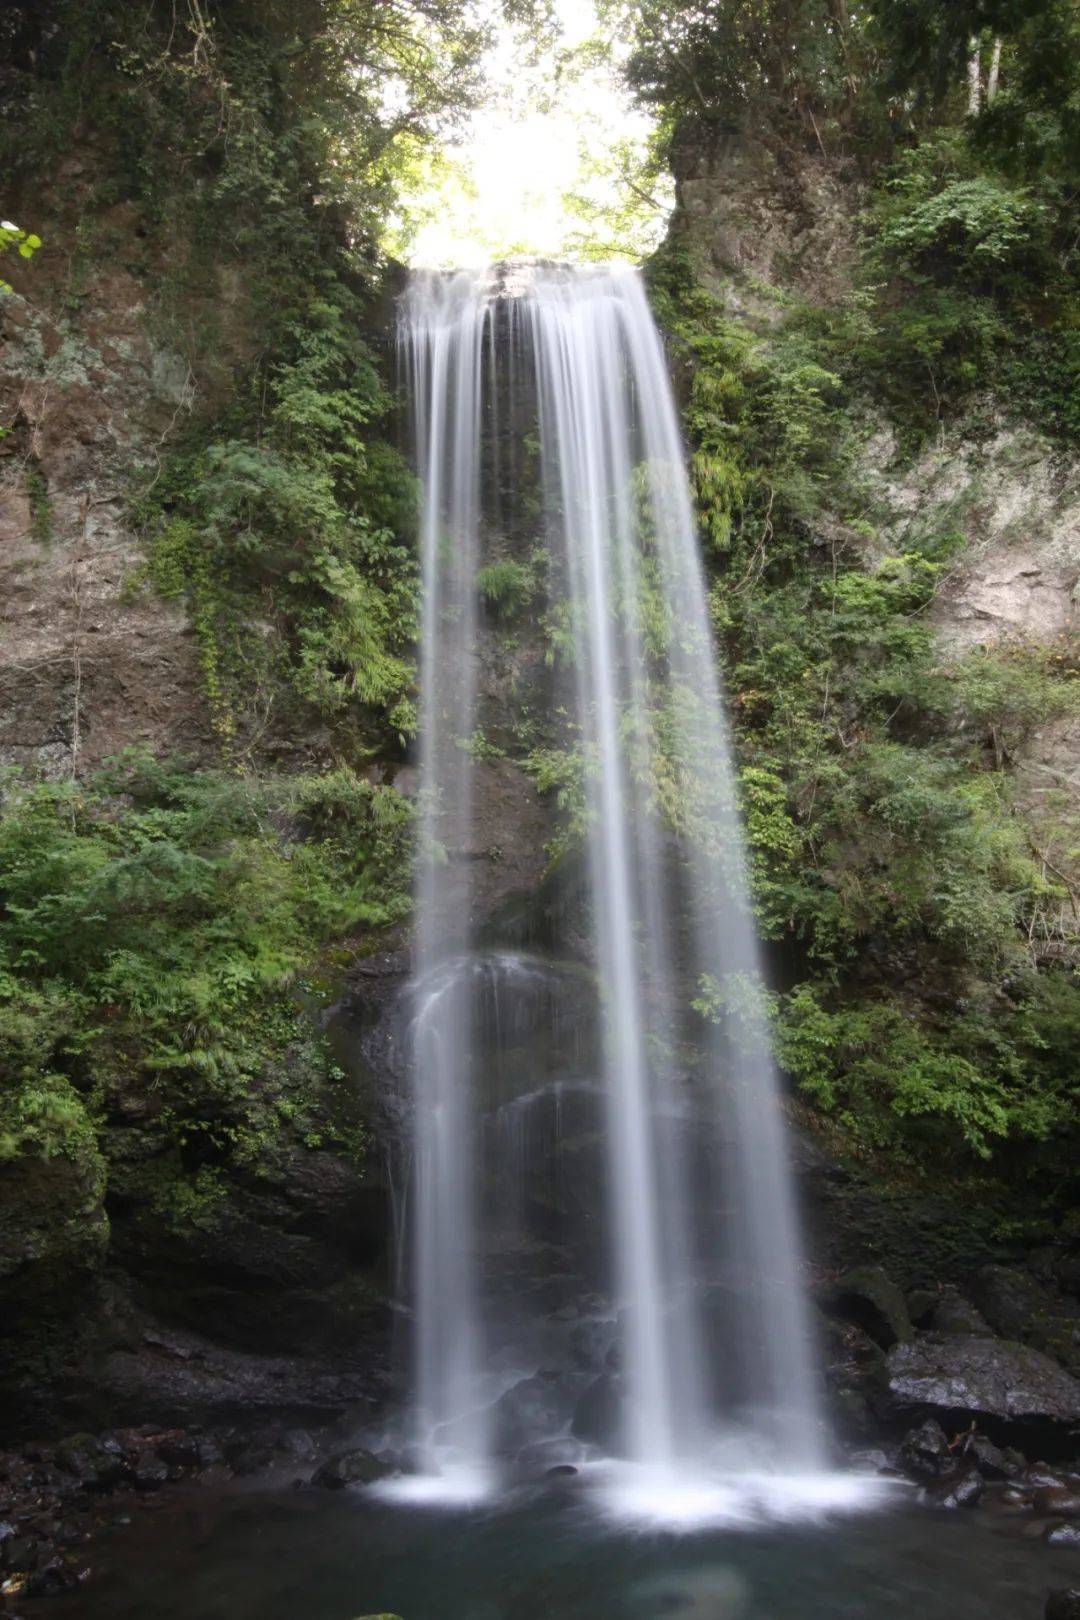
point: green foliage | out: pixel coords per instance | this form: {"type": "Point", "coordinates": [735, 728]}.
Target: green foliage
{"type": "Point", "coordinates": [153, 927]}
{"type": "Point", "coordinates": [24, 243]}
{"type": "Point", "coordinates": [299, 524]}
{"type": "Point", "coordinates": [887, 853]}
{"type": "Point", "coordinates": [967, 265]}
{"type": "Point", "coordinates": [506, 588]}
{"type": "Point", "coordinates": [717, 61]}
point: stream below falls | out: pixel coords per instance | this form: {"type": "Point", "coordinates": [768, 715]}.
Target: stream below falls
{"type": "Point", "coordinates": [545, 1554]}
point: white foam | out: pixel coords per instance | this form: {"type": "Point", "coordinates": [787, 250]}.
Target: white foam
{"type": "Point", "coordinates": [454, 1487]}
{"type": "Point", "coordinates": [687, 1501]}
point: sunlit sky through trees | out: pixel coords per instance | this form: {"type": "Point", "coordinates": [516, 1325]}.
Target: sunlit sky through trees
{"type": "Point", "coordinates": [558, 161]}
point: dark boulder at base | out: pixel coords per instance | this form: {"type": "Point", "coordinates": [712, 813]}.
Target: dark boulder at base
{"type": "Point", "coordinates": [925, 1451]}
{"type": "Point", "coordinates": [350, 1468]}
{"type": "Point", "coordinates": [955, 1490]}
{"type": "Point", "coordinates": [55, 1576]}
{"type": "Point", "coordinates": [1063, 1604]}
{"type": "Point", "coordinates": [1008, 1388]}
{"type": "Point", "coordinates": [1059, 1500]}
{"type": "Point", "coordinates": [990, 1460]}
{"type": "Point", "coordinates": [535, 1409]}
{"type": "Point", "coordinates": [867, 1296]}
{"type": "Point", "coordinates": [95, 1467]}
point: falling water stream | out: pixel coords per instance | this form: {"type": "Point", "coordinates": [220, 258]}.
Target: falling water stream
{"type": "Point", "coordinates": [715, 1369]}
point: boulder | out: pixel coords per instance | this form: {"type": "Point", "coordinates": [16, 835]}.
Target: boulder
{"type": "Point", "coordinates": [925, 1451]}
{"type": "Point", "coordinates": [990, 1460]}
{"type": "Point", "coordinates": [868, 1296]}
{"type": "Point", "coordinates": [535, 1409]}
{"type": "Point", "coordinates": [1060, 1501]}
{"type": "Point", "coordinates": [1062, 1534]}
{"type": "Point", "coordinates": [975, 1378]}
{"type": "Point", "coordinates": [53, 1576]}
{"type": "Point", "coordinates": [148, 1472]}
{"type": "Point", "coordinates": [84, 1457]}
{"type": "Point", "coordinates": [1039, 1476]}
{"type": "Point", "coordinates": [1064, 1604]}
{"type": "Point", "coordinates": [957, 1490]}
{"type": "Point", "coordinates": [356, 1467]}
{"type": "Point", "coordinates": [298, 1444]}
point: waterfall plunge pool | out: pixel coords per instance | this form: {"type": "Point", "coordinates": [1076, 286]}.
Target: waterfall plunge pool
{"type": "Point", "coordinates": [552, 1553]}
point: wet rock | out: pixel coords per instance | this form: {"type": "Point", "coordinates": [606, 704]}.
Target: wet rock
{"type": "Point", "coordinates": [868, 1296]}
{"type": "Point", "coordinates": [1064, 1604]}
{"type": "Point", "coordinates": [958, 1490]}
{"type": "Point", "coordinates": [1062, 1534]}
{"type": "Point", "coordinates": [148, 1472]}
{"type": "Point", "coordinates": [599, 1411]}
{"type": "Point", "coordinates": [1039, 1476]}
{"type": "Point", "coordinates": [298, 1443]}
{"type": "Point", "coordinates": [979, 1378]}
{"type": "Point", "coordinates": [852, 1413]}
{"type": "Point", "coordinates": [209, 1451]}
{"type": "Point", "coordinates": [1059, 1500]}
{"type": "Point", "coordinates": [87, 1460]}
{"type": "Point", "coordinates": [534, 1409]}
{"type": "Point", "coordinates": [356, 1467]}
{"type": "Point", "coordinates": [925, 1452]}
{"type": "Point", "coordinates": [989, 1459]}
{"type": "Point", "coordinates": [253, 1459]}
{"type": "Point", "coordinates": [56, 1575]}
{"type": "Point", "coordinates": [21, 1553]}
{"type": "Point", "coordinates": [543, 1455]}
{"type": "Point", "coordinates": [956, 1315]}
{"type": "Point", "coordinates": [1019, 1306]}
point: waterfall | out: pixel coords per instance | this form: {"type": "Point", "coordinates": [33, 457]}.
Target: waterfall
{"type": "Point", "coordinates": [701, 1231]}
{"type": "Point", "coordinates": [443, 338]}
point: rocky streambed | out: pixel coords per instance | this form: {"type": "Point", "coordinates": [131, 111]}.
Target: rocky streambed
{"type": "Point", "coordinates": [925, 1393]}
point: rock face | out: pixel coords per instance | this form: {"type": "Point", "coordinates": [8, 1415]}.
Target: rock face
{"type": "Point", "coordinates": [1011, 1385]}
{"type": "Point", "coordinates": [953, 1314]}
{"type": "Point", "coordinates": [867, 1296]}
{"type": "Point", "coordinates": [1019, 1306]}
{"type": "Point", "coordinates": [537, 1408]}
{"type": "Point", "coordinates": [91, 386]}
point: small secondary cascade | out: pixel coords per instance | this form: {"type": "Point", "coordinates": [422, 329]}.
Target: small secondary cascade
{"type": "Point", "coordinates": [713, 1330]}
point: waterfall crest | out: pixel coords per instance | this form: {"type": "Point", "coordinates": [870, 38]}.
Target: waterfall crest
{"type": "Point", "coordinates": [701, 1244]}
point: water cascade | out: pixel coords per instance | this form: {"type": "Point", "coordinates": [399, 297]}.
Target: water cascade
{"type": "Point", "coordinates": [700, 1241]}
